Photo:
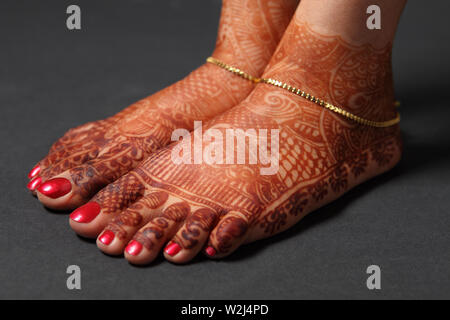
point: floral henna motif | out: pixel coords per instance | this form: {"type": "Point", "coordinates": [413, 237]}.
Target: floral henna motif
{"type": "Point", "coordinates": [319, 190]}
{"type": "Point", "coordinates": [338, 180]}
{"type": "Point", "coordinates": [276, 219]}
{"type": "Point", "coordinates": [358, 163]}
{"type": "Point", "coordinates": [273, 221]}
{"type": "Point", "coordinates": [383, 152]}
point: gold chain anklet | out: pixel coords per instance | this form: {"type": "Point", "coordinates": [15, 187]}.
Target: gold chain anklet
{"type": "Point", "coordinates": [305, 95]}
{"type": "Point", "coordinates": [234, 70]}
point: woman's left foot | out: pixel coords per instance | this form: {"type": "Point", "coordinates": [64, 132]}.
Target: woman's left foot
{"type": "Point", "coordinates": [88, 158]}
{"type": "Point", "coordinates": [184, 208]}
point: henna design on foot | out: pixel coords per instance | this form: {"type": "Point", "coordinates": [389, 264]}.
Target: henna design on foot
{"type": "Point", "coordinates": [321, 156]}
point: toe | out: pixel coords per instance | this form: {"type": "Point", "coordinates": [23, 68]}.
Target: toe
{"type": "Point", "coordinates": [34, 172]}
{"type": "Point", "coordinates": [149, 240]}
{"type": "Point", "coordinates": [81, 183]}
{"type": "Point", "coordinates": [76, 147]}
{"type": "Point", "coordinates": [228, 235]}
{"type": "Point", "coordinates": [90, 219]}
{"type": "Point", "coordinates": [122, 227]}
{"type": "Point", "coordinates": [192, 236]}
{"type": "Point", "coordinates": [57, 193]}
{"type": "Point", "coordinates": [34, 184]}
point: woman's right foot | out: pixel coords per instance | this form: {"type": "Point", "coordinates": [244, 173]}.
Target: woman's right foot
{"type": "Point", "coordinates": [91, 156]}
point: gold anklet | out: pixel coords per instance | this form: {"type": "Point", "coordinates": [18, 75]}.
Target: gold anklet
{"type": "Point", "coordinates": [307, 96]}
{"type": "Point", "coordinates": [232, 69]}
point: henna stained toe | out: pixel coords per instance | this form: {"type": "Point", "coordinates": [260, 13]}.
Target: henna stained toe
{"type": "Point", "coordinates": [34, 172]}
{"type": "Point", "coordinates": [76, 147]}
{"type": "Point", "coordinates": [156, 233]}
{"type": "Point", "coordinates": [228, 235]}
{"type": "Point", "coordinates": [192, 235]}
{"type": "Point", "coordinates": [123, 226]}
{"type": "Point", "coordinates": [89, 220]}
{"type": "Point", "coordinates": [55, 193]}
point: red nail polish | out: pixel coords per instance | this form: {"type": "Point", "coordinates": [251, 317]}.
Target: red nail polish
{"type": "Point", "coordinates": [55, 188]}
{"type": "Point", "coordinates": [172, 249]}
{"type": "Point", "coordinates": [134, 248]}
{"type": "Point", "coordinates": [34, 172]}
{"type": "Point", "coordinates": [33, 184]}
{"type": "Point", "coordinates": [210, 251]}
{"type": "Point", "coordinates": [107, 237]}
{"type": "Point", "coordinates": [86, 213]}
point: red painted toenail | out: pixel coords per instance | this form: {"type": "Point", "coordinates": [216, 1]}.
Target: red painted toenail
{"type": "Point", "coordinates": [210, 251]}
{"type": "Point", "coordinates": [86, 213]}
{"type": "Point", "coordinates": [34, 172]}
{"type": "Point", "coordinates": [172, 249]}
{"type": "Point", "coordinates": [107, 237]}
{"type": "Point", "coordinates": [133, 248]}
{"type": "Point", "coordinates": [33, 184]}
{"type": "Point", "coordinates": [55, 188]}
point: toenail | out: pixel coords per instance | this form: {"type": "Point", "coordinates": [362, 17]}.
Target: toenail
{"type": "Point", "coordinates": [33, 184]}
{"type": "Point", "coordinates": [86, 213]}
{"type": "Point", "coordinates": [107, 237]}
{"type": "Point", "coordinates": [210, 251]}
{"type": "Point", "coordinates": [133, 248]}
{"type": "Point", "coordinates": [172, 249]}
{"type": "Point", "coordinates": [55, 188]}
{"type": "Point", "coordinates": [34, 172]}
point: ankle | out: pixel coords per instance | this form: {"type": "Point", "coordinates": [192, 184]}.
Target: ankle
{"type": "Point", "coordinates": [355, 78]}
{"type": "Point", "coordinates": [250, 30]}
{"type": "Point", "coordinates": [348, 18]}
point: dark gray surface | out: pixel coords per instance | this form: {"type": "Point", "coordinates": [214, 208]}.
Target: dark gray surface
{"type": "Point", "coordinates": [52, 79]}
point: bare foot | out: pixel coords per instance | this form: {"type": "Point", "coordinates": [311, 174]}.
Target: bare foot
{"type": "Point", "coordinates": [90, 157]}
{"type": "Point", "coordinates": [184, 209]}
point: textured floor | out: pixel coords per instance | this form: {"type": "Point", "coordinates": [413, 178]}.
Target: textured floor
{"type": "Point", "coordinates": [52, 79]}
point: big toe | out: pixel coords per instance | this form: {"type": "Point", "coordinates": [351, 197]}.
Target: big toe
{"type": "Point", "coordinates": [90, 219]}
{"type": "Point", "coordinates": [77, 186]}
{"type": "Point", "coordinates": [58, 193]}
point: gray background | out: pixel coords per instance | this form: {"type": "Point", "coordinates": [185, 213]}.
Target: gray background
{"type": "Point", "coordinates": [52, 79]}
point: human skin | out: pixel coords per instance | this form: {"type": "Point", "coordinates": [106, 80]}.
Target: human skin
{"type": "Point", "coordinates": [89, 157]}
{"type": "Point", "coordinates": [189, 208]}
